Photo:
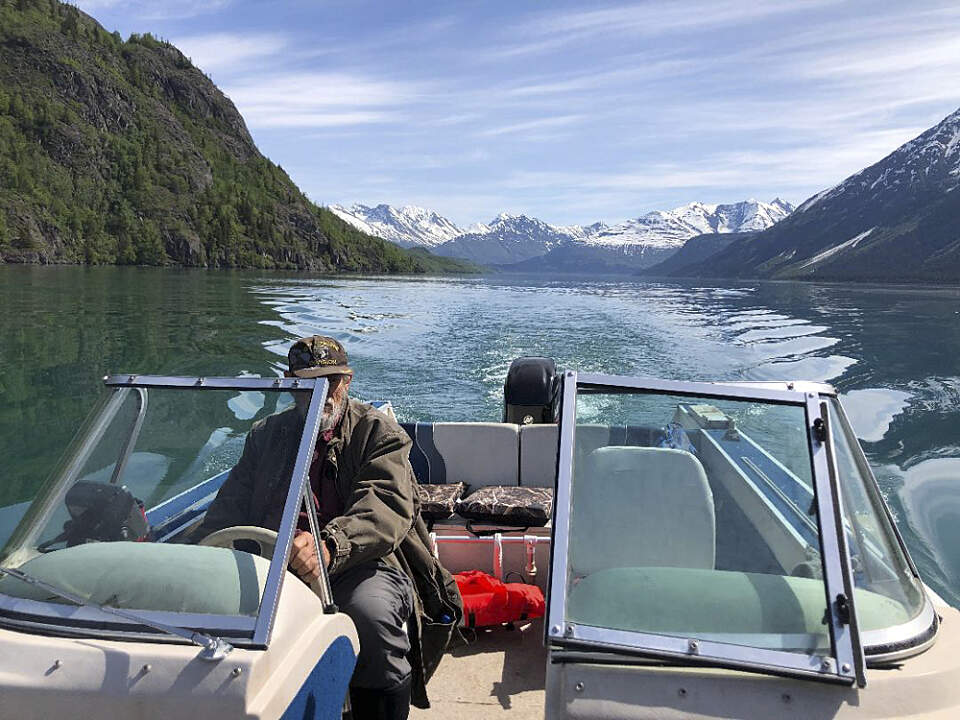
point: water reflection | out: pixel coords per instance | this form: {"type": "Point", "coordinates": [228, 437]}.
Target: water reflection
{"type": "Point", "coordinates": [872, 411]}
{"type": "Point", "coordinates": [931, 500]}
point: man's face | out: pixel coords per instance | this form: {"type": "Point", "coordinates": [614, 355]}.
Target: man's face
{"type": "Point", "coordinates": [335, 404]}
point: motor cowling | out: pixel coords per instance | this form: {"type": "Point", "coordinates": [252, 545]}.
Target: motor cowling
{"type": "Point", "coordinates": [101, 512]}
{"type": "Point", "coordinates": [531, 391]}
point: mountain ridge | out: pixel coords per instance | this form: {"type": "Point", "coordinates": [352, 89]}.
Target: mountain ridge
{"type": "Point", "coordinates": [510, 239]}
{"type": "Point", "coordinates": [895, 220]}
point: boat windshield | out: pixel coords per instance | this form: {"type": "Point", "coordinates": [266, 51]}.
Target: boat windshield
{"type": "Point", "coordinates": [700, 521]}
{"type": "Point", "coordinates": [116, 525]}
{"type": "Point", "coordinates": [878, 559]}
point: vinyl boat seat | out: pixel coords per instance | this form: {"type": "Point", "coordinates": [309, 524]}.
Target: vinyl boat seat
{"type": "Point", "coordinates": [149, 576]}
{"type": "Point", "coordinates": [539, 446]}
{"type": "Point", "coordinates": [475, 453]}
{"type": "Point", "coordinates": [483, 453]}
{"type": "Point", "coordinates": [641, 506]}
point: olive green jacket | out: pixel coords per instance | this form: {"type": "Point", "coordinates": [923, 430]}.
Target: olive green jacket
{"type": "Point", "coordinates": [369, 459]}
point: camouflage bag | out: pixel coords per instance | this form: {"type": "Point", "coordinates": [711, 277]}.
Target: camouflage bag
{"type": "Point", "coordinates": [514, 506]}
{"type": "Point", "coordinates": [438, 502]}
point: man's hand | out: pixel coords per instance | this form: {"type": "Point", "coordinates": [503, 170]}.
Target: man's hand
{"type": "Point", "coordinates": [303, 556]}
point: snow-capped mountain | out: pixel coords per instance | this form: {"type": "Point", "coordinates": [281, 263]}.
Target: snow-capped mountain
{"type": "Point", "coordinates": [507, 239]}
{"type": "Point", "coordinates": [510, 239]}
{"type": "Point", "coordinates": [895, 220]}
{"type": "Point", "coordinates": [408, 226]}
{"type": "Point", "coordinates": [671, 229]}
{"type": "Point", "coordinates": [641, 243]}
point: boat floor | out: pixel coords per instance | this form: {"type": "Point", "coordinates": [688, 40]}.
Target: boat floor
{"type": "Point", "coordinates": [498, 672]}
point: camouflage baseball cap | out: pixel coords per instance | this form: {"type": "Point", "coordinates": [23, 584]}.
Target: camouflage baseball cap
{"type": "Point", "coordinates": [316, 356]}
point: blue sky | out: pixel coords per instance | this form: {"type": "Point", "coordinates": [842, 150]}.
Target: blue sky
{"type": "Point", "coordinates": [568, 111]}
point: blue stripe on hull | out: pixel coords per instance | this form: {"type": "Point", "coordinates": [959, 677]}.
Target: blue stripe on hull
{"type": "Point", "coordinates": [323, 692]}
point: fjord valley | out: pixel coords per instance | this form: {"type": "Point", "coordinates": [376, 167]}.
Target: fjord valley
{"type": "Point", "coordinates": [895, 221]}
{"type": "Point", "coordinates": [518, 243]}
{"type": "Point", "coordinates": [121, 151]}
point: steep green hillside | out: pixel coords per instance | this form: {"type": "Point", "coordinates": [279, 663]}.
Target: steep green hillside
{"type": "Point", "coordinates": [116, 151]}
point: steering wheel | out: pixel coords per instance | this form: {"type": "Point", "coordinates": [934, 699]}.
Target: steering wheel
{"type": "Point", "coordinates": [266, 539]}
{"type": "Point", "coordinates": [225, 538]}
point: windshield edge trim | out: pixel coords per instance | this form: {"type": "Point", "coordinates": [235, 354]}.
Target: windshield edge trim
{"type": "Point", "coordinates": [682, 387]}
{"type": "Point", "coordinates": [210, 383]}
{"type": "Point", "coordinates": [717, 654]}
{"type": "Point", "coordinates": [836, 563]}
{"type": "Point", "coordinates": [557, 597]}
{"type": "Point", "coordinates": [56, 613]}
{"type": "Point", "coordinates": [278, 563]}
{"type": "Point", "coordinates": [912, 636]}
{"type": "Point", "coordinates": [137, 633]}
{"type": "Point", "coordinates": [846, 565]}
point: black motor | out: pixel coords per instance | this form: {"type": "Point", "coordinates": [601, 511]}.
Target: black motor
{"type": "Point", "coordinates": [531, 391]}
{"type": "Point", "coordinates": [101, 512]}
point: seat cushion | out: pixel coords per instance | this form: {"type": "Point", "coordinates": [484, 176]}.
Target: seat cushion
{"type": "Point", "coordinates": [641, 506]}
{"type": "Point", "coordinates": [438, 502]}
{"type": "Point", "coordinates": [518, 506]}
{"type": "Point", "coordinates": [149, 576]}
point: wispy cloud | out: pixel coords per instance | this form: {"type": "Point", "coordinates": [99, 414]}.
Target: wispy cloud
{"type": "Point", "coordinates": [552, 30]}
{"type": "Point", "coordinates": [528, 125]}
{"type": "Point", "coordinates": [233, 51]}
{"type": "Point", "coordinates": [654, 18]}
{"type": "Point", "coordinates": [320, 99]}
{"type": "Point", "coordinates": [642, 69]}
{"type": "Point", "coordinates": [152, 10]}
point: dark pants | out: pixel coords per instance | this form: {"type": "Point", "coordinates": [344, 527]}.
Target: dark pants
{"type": "Point", "coordinates": [379, 600]}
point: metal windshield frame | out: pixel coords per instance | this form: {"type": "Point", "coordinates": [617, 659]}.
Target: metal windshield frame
{"type": "Point", "coordinates": [843, 664]}
{"type": "Point", "coordinates": [251, 632]}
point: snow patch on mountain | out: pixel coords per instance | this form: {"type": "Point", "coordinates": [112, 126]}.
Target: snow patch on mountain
{"type": "Point", "coordinates": [829, 252]}
{"type": "Point", "coordinates": [671, 229]}
{"type": "Point", "coordinates": [408, 226]}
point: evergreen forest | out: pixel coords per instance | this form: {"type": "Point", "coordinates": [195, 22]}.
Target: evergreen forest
{"type": "Point", "coordinates": [120, 151]}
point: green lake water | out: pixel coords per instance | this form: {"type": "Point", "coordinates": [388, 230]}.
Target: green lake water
{"type": "Point", "coordinates": [439, 349]}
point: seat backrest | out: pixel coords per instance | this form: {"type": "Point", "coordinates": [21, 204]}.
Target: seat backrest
{"type": "Point", "coordinates": [538, 455]}
{"type": "Point", "coordinates": [479, 453]}
{"type": "Point", "coordinates": [641, 506]}
{"type": "Point", "coordinates": [426, 460]}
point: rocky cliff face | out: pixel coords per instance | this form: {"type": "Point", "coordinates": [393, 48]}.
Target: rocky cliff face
{"type": "Point", "coordinates": [116, 151]}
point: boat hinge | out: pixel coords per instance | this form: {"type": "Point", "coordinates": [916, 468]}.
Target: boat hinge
{"type": "Point", "coordinates": [820, 430]}
{"type": "Point", "coordinates": [843, 609]}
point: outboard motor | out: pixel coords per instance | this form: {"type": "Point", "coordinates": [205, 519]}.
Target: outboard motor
{"type": "Point", "coordinates": [100, 512]}
{"type": "Point", "coordinates": [531, 391]}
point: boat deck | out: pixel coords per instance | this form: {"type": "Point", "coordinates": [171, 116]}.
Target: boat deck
{"type": "Point", "coordinates": [498, 673]}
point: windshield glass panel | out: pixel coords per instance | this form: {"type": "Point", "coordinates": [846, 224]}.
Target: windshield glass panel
{"type": "Point", "coordinates": [115, 525]}
{"type": "Point", "coordinates": [695, 517]}
{"type": "Point", "coordinates": [879, 565]}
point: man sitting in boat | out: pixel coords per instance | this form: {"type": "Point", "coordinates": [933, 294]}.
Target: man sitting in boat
{"type": "Point", "coordinates": [375, 546]}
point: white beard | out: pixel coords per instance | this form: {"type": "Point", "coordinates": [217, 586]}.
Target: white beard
{"type": "Point", "coordinates": [330, 419]}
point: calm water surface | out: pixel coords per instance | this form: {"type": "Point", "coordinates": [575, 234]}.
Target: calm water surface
{"type": "Point", "coordinates": [439, 349]}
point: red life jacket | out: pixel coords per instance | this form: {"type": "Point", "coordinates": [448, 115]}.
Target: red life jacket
{"type": "Point", "coordinates": [488, 601]}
